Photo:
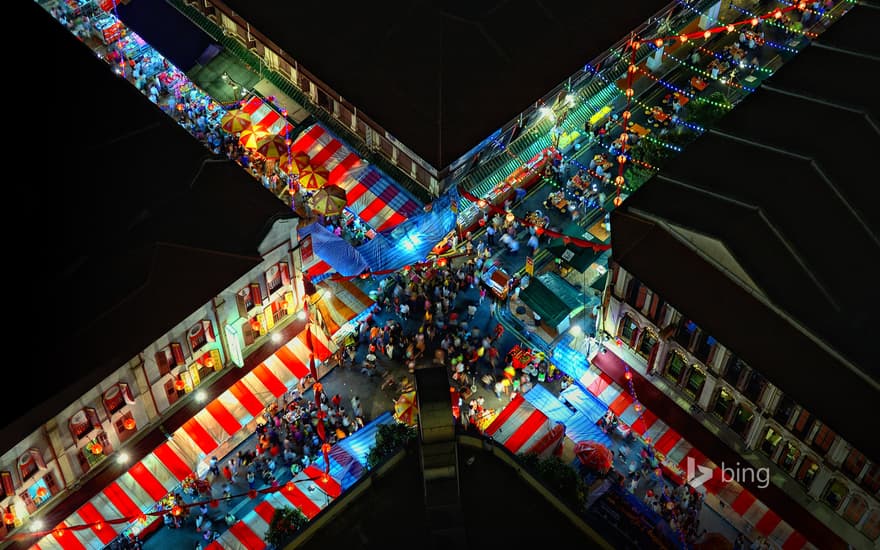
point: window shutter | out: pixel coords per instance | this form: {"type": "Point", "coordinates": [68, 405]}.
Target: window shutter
{"type": "Point", "coordinates": [170, 392]}
{"type": "Point", "coordinates": [255, 294]}
{"type": "Point", "coordinates": [655, 303]}
{"type": "Point", "coordinates": [653, 356]}
{"type": "Point", "coordinates": [640, 298]}
{"type": "Point", "coordinates": [8, 484]}
{"type": "Point", "coordinates": [177, 353]}
{"type": "Point", "coordinates": [51, 483]}
{"type": "Point", "coordinates": [28, 502]}
{"type": "Point", "coordinates": [38, 457]}
{"type": "Point", "coordinates": [163, 361]}
{"type": "Point", "coordinates": [285, 273]}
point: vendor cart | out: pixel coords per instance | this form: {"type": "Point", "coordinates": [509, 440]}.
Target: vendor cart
{"type": "Point", "coordinates": [496, 279]}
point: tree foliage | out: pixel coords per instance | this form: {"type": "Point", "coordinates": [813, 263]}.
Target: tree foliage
{"type": "Point", "coordinates": [389, 439]}
{"type": "Point", "coordinates": [286, 522]}
{"type": "Point", "coordinates": [559, 477]}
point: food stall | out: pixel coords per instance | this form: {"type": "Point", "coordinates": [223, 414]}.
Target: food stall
{"type": "Point", "coordinates": [496, 280]}
{"type": "Point", "coordinates": [524, 176]}
{"type": "Point", "coordinates": [106, 28]}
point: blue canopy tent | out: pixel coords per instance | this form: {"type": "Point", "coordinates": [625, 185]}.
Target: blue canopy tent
{"type": "Point", "coordinates": [336, 251]}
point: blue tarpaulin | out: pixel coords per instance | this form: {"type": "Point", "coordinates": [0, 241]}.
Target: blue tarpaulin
{"type": "Point", "coordinates": [336, 251]}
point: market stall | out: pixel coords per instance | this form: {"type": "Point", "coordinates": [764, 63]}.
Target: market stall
{"type": "Point", "coordinates": [496, 279]}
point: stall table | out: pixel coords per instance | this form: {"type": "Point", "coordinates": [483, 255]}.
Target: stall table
{"type": "Point", "coordinates": [638, 129]}
{"type": "Point", "coordinates": [698, 83]}
{"type": "Point", "coordinates": [496, 279]}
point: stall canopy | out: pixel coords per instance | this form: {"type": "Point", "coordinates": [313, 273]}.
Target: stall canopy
{"type": "Point", "coordinates": [184, 454]}
{"type": "Point", "coordinates": [552, 298]}
{"type": "Point", "coordinates": [372, 196]}
{"type": "Point", "coordinates": [339, 302]}
{"type": "Point", "coordinates": [520, 425]}
{"type": "Point", "coordinates": [336, 252]}
{"type": "Point", "coordinates": [413, 240]}
{"type": "Point", "coordinates": [579, 258]}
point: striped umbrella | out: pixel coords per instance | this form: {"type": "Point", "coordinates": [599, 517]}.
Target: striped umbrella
{"type": "Point", "coordinates": [272, 147]}
{"type": "Point", "coordinates": [313, 177]}
{"type": "Point", "coordinates": [329, 200]}
{"type": "Point", "coordinates": [294, 164]}
{"type": "Point", "coordinates": [405, 409]}
{"type": "Point", "coordinates": [251, 137]}
{"type": "Point", "coordinates": [235, 121]}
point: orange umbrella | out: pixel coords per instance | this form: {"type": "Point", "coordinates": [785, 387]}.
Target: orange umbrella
{"type": "Point", "coordinates": [329, 200]}
{"type": "Point", "coordinates": [251, 137]}
{"type": "Point", "coordinates": [313, 177]}
{"type": "Point", "coordinates": [594, 455]}
{"type": "Point", "coordinates": [272, 147]}
{"type": "Point", "coordinates": [405, 409]}
{"type": "Point", "coordinates": [294, 164]}
{"type": "Point", "coordinates": [235, 121]}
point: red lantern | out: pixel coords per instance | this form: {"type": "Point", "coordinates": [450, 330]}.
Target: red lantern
{"type": "Point", "coordinates": [628, 375]}
{"type": "Point", "coordinates": [214, 503]}
{"type": "Point", "coordinates": [179, 385]}
{"type": "Point", "coordinates": [441, 262]}
{"type": "Point", "coordinates": [59, 532]}
{"type": "Point", "coordinates": [9, 518]}
{"type": "Point", "coordinates": [41, 492]}
{"type": "Point", "coordinates": [290, 486]}
{"type": "Point", "coordinates": [618, 201]}
{"type": "Point", "coordinates": [325, 478]}
{"type": "Point", "coordinates": [365, 275]}
{"type": "Point", "coordinates": [176, 510]}
{"type": "Point", "coordinates": [482, 204]}
{"type": "Point", "coordinates": [97, 449]}
{"type": "Point", "coordinates": [325, 448]}
{"type": "Point", "coordinates": [129, 424]}
{"type": "Point", "coordinates": [539, 231]}
{"type": "Point", "coordinates": [99, 525]}
{"type": "Point", "coordinates": [318, 387]}
{"type": "Point", "coordinates": [252, 493]}
{"type": "Point", "coordinates": [638, 407]}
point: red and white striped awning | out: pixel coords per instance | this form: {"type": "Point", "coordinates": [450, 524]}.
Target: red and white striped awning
{"type": "Point", "coordinates": [308, 493]}
{"type": "Point", "coordinates": [677, 450]}
{"type": "Point", "coordinates": [519, 425]}
{"type": "Point", "coordinates": [376, 199]}
{"type": "Point", "coordinates": [159, 472]}
{"type": "Point", "coordinates": [266, 117]}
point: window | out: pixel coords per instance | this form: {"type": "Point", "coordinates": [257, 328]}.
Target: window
{"type": "Point", "coordinates": [855, 509]}
{"type": "Point", "coordinates": [276, 276]}
{"type": "Point", "coordinates": [649, 340]}
{"type": "Point", "coordinates": [200, 334]}
{"type": "Point", "coordinates": [734, 370]}
{"type": "Point", "coordinates": [628, 328]}
{"type": "Point", "coordinates": [703, 347]}
{"type": "Point", "coordinates": [125, 427]}
{"type": "Point", "coordinates": [83, 422]}
{"type": "Point", "coordinates": [802, 424]}
{"type": "Point", "coordinates": [823, 439]}
{"type": "Point", "coordinates": [657, 305]}
{"type": "Point", "coordinates": [854, 463]}
{"type": "Point", "coordinates": [244, 300]}
{"type": "Point", "coordinates": [742, 420]}
{"type": "Point", "coordinates": [834, 493]}
{"type": "Point", "coordinates": [633, 290]}
{"type": "Point", "coordinates": [871, 527]}
{"type": "Point", "coordinates": [170, 392]}
{"type": "Point", "coordinates": [695, 380]}
{"type": "Point", "coordinates": [770, 442]}
{"type": "Point", "coordinates": [754, 386]}
{"type": "Point", "coordinates": [789, 457]}
{"type": "Point", "coordinates": [675, 366]}
{"type": "Point", "coordinates": [114, 398]}
{"type": "Point", "coordinates": [807, 472]}
{"type": "Point", "coordinates": [871, 480]}
{"type": "Point", "coordinates": [784, 410]}
{"type": "Point", "coordinates": [30, 463]}
{"type": "Point", "coordinates": [723, 403]}
{"type": "Point", "coordinates": [685, 332]}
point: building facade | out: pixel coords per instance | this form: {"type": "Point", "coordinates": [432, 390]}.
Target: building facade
{"type": "Point", "coordinates": [93, 433]}
{"type": "Point", "coordinates": [834, 481]}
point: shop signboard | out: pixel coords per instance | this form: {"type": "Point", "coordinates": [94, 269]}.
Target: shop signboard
{"type": "Point", "coordinates": [215, 358]}
{"type": "Point", "coordinates": [270, 319]}
{"type": "Point", "coordinates": [233, 342]}
{"type": "Point", "coordinates": [290, 304]}
{"type": "Point", "coordinates": [264, 327]}
{"type": "Point", "coordinates": [305, 249]}
{"type": "Point", "coordinates": [530, 266]}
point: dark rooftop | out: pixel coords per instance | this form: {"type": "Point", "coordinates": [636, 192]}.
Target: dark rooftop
{"type": "Point", "coordinates": [442, 75]}
{"type": "Point", "coordinates": [786, 183]}
{"type": "Point", "coordinates": [128, 225]}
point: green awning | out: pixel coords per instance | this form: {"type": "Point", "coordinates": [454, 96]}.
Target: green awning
{"type": "Point", "coordinates": [578, 257]}
{"type": "Point", "coordinates": [552, 297]}
{"type": "Point", "coordinates": [599, 284]}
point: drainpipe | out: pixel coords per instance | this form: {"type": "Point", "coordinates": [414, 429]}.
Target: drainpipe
{"type": "Point", "coordinates": [55, 457]}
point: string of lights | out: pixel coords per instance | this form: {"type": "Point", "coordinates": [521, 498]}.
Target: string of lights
{"type": "Point", "coordinates": [787, 28]}
{"type": "Point", "coordinates": [704, 73]}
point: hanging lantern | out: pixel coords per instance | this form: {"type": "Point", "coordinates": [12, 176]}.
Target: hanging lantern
{"type": "Point", "coordinates": [252, 494]}
{"type": "Point", "coordinates": [539, 231]}
{"type": "Point", "coordinates": [97, 448]}
{"type": "Point", "coordinates": [59, 532]}
{"type": "Point", "coordinates": [442, 262]}
{"type": "Point", "coordinates": [365, 275]}
{"type": "Point", "coordinates": [778, 14]}
{"type": "Point", "coordinates": [619, 181]}
{"type": "Point", "coordinates": [623, 137]}
{"type": "Point", "coordinates": [318, 387]}
{"type": "Point", "coordinates": [638, 407]}
{"type": "Point", "coordinates": [176, 510]}
{"type": "Point", "coordinates": [284, 112]}
{"type": "Point", "coordinates": [510, 217]}
{"type": "Point", "coordinates": [9, 518]}
{"type": "Point", "coordinates": [325, 478]}
{"type": "Point", "coordinates": [659, 42]}
{"type": "Point", "coordinates": [290, 486]}
{"type": "Point", "coordinates": [129, 424]}
{"type": "Point", "coordinates": [482, 204]}
{"type": "Point", "coordinates": [683, 38]}
{"type": "Point", "coordinates": [633, 68]}
{"type": "Point", "coordinates": [179, 385]}
{"type": "Point", "coordinates": [729, 28]}
{"type": "Point", "coordinates": [629, 92]}
{"type": "Point", "coordinates": [41, 492]}
{"type": "Point", "coordinates": [626, 115]}
{"type": "Point", "coordinates": [99, 526]}
{"type": "Point", "coordinates": [754, 21]}
{"type": "Point", "coordinates": [628, 375]}
{"type": "Point", "coordinates": [325, 448]}
{"type": "Point", "coordinates": [619, 342]}
{"type": "Point", "coordinates": [649, 440]}
{"type": "Point", "coordinates": [214, 503]}
{"type": "Point", "coordinates": [621, 159]}
{"type": "Point", "coordinates": [707, 34]}
{"type": "Point", "coordinates": [617, 202]}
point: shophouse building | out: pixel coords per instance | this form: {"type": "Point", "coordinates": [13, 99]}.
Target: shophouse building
{"type": "Point", "coordinates": [742, 284]}
{"type": "Point", "coordinates": [167, 267]}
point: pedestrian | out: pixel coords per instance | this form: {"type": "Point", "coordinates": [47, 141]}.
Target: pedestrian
{"type": "Point", "coordinates": [227, 473]}
{"type": "Point", "coordinates": [214, 467]}
{"type": "Point", "coordinates": [251, 479]}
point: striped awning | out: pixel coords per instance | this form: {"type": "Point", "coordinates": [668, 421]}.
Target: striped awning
{"type": "Point", "coordinates": [373, 197]}
{"type": "Point", "coordinates": [341, 302]}
{"type": "Point", "coordinates": [266, 117]}
{"type": "Point", "coordinates": [519, 425]}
